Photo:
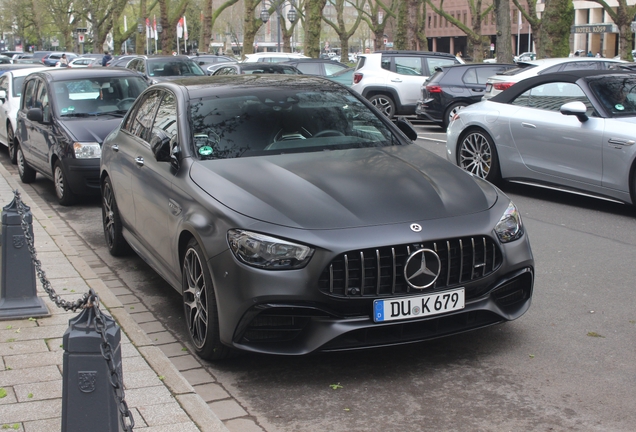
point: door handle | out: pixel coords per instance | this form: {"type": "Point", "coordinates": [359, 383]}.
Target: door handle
{"type": "Point", "coordinates": [528, 125]}
{"type": "Point", "coordinates": [620, 141]}
{"type": "Point", "coordinates": [114, 148]}
{"type": "Point", "coordinates": [478, 90]}
{"type": "Point", "coordinates": [396, 80]}
{"type": "Point", "coordinates": [139, 161]}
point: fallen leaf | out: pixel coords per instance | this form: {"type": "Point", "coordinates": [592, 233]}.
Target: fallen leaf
{"type": "Point", "coordinates": [594, 334]}
{"type": "Point", "coordinates": [335, 386]}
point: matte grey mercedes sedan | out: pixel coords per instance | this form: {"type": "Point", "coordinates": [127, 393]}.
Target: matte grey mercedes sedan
{"type": "Point", "coordinates": [295, 218]}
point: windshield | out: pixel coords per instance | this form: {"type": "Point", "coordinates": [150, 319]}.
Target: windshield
{"type": "Point", "coordinates": [617, 94]}
{"type": "Point", "coordinates": [275, 121]}
{"type": "Point", "coordinates": [173, 67]}
{"type": "Point", "coordinates": [95, 96]}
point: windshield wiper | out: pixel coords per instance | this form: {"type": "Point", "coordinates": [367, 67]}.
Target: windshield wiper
{"type": "Point", "coordinates": [74, 114]}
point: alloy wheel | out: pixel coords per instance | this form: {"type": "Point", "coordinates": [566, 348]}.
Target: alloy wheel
{"type": "Point", "coordinates": [475, 154]}
{"type": "Point", "coordinates": [195, 298]}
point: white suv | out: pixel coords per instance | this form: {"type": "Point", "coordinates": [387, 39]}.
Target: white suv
{"type": "Point", "coordinates": [500, 82]}
{"type": "Point", "coordinates": [391, 80]}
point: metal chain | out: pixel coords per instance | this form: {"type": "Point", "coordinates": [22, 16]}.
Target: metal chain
{"type": "Point", "coordinates": [88, 300]}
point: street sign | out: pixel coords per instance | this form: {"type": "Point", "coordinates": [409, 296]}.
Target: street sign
{"type": "Point", "coordinates": [633, 26]}
{"type": "Point", "coordinates": [80, 38]}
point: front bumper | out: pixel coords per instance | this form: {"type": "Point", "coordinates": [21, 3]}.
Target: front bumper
{"type": "Point", "coordinates": [82, 175]}
{"type": "Point", "coordinates": [289, 312]}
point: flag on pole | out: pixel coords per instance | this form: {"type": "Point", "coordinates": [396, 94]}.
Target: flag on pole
{"type": "Point", "coordinates": [154, 27]}
{"type": "Point", "coordinates": [185, 29]}
{"type": "Point", "coordinates": [147, 28]}
{"type": "Point", "coordinates": [180, 28]}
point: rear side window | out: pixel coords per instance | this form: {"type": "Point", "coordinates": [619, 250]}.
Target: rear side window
{"type": "Point", "coordinates": [309, 68]}
{"type": "Point", "coordinates": [581, 66]}
{"type": "Point", "coordinates": [408, 65]}
{"type": "Point", "coordinates": [434, 62]}
{"type": "Point", "coordinates": [361, 61]}
{"type": "Point", "coordinates": [522, 68]}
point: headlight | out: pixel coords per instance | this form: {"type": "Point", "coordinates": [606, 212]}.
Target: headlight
{"type": "Point", "coordinates": [87, 150]}
{"type": "Point", "coordinates": [267, 252]}
{"type": "Point", "coordinates": [509, 227]}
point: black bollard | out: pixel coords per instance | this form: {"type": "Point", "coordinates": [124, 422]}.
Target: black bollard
{"type": "Point", "coordinates": [89, 401]}
{"type": "Point", "coordinates": [18, 293]}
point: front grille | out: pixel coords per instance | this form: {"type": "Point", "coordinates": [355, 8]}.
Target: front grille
{"type": "Point", "coordinates": [380, 272]}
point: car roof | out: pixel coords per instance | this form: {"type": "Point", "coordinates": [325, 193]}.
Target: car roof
{"type": "Point", "coordinates": [26, 71]}
{"type": "Point", "coordinates": [207, 86]}
{"type": "Point", "coordinates": [64, 74]}
{"type": "Point", "coordinates": [570, 76]}
{"type": "Point", "coordinates": [553, 61]}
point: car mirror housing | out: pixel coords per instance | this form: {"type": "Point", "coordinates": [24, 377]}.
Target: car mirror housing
{"type": "Point", "coordinates": [35, 114]}
{"type": "Point", "coordinates": [406, 128]}
{"type": "Point", "coordinates": [3, 95]}
{"type": "Point", "coordinates": [577, 109]}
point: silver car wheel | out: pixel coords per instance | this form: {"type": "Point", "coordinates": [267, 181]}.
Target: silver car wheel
{"type": "Point", "coordinates": [58, 178]}
{"type": "Point", "coordinates": [384, 104]}
{"type": "Point", "coordinates": [476, 154]}
{"type": "Point", "coordinates": [195, 298]}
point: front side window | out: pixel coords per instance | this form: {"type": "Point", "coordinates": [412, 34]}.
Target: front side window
{"type": "Point", "coordinates": [283, 120]}
{"type": "Point", "coordinates": [166, 120]}
{"type": "Point", "coordinates": [42, 102]}
{"type": "Point", "coordinates": [551, 96]}
{"type": "Point", "coordinates": [616, 94]}
{"type": "Point", "coordinates": [331, 69]}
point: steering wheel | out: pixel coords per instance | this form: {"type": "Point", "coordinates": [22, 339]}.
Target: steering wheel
{"type": "Point", "coordinates": [125, 101]}
{"type": "Point", "coordinates": [328, 132]}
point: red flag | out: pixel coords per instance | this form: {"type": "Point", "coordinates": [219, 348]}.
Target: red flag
{"type": "Point", "coordinates": [147, 28]}
{"type": "Point", "coordinates": [180, 28]}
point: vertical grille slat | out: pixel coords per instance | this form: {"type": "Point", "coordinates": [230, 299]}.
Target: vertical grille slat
{"type": "Point", "coordinates": [379, 272]}
{"type": "Point", "coordinates": [378, 263]}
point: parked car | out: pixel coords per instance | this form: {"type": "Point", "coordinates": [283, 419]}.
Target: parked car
{"type": "Point", "coordinates": [574, 131]}
{"type": "Point", "coordinates": [259, 199]}
{"type": "Point", "coordinates": [272, 57]}
{"type": "Point", "coordinates": [5, 60]}
{"type": "Point", "coordinates": [63, 118]}
{"type": "Point", "coordinates": [205, 60]}
{"type": "Point", "coordinates": [120, 61]}
{"type": "Point", "coordinates": [525, 56]}
{"type": "Point", "coordinates": [344, 77]}
{"type": "Point", "coordinates": [254, 68]}
{"type": "Point", "coordinates": [15, 66]}
{"type": "Point", "coordinates": [10, 89]}
{"type": "Point", "coordinates": [53, 58]}
{"type": "Point", "coordinates": [498, 83]}
{"type": "Point", "coordinates": [83, 62]}
{"type": "Point", "coordinates": [391, 80]}
{"type": "Point", "coordinates": [160, 68]}
{"type": "Point", "coordinates": [454, 87]}
{"type": "Point", "coordinates": [317, 66]}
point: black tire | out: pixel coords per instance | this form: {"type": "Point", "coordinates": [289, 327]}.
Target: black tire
{"type": "Point", "coordinates": [115, 241]}
{"type": "Point", "coordinates": [384, 103]}
{"type": "Point", "coordinates": [65, 195]}
{"type": "Point", "coordinates": [27, 174]}
{"type": "Point", "coordinates": [199, 305]}
{"type": "Point", "coordinates": [451, 111]}
{"type": "Point", "coordinates": [11, 144]}
{"type": "Point", "coordinates": [477, 154]}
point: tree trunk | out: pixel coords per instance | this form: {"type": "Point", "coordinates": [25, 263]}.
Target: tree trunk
{"type": "Point", "coordinates": [313, 25]}
{"type": "Point", "coordinates": [555, 29]}
{"type": "Point", "coordinates": [140, 42]}
{"type": "Point", "coordinates": [504, 36]}
{"type": "Point", "coordinates": [402, 23]}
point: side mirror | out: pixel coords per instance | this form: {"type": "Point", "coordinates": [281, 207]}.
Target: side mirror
{"type": "Point", "coordinates": [3, 95]}
{"type": "Point", "coordinates": [35, 114]}
{"type": "Point", "coordinates": [160, 145]}
{"type": "Point", "coordinates": [577, 109]}
{"type": "Point", "coordinates": [406, 128]}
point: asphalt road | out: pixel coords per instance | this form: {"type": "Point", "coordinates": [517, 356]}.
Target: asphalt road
{"type": "Point", "coordinates": [569, 364]}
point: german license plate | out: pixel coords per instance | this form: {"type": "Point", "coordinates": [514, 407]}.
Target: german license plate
{"type": "Point", "coordinates": [488, 87]}
{"type": "Point", "coordinates": [417, 307]}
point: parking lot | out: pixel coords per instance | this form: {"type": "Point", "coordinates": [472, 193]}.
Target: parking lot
{"type": "Point", "coordinates": [567, 364]}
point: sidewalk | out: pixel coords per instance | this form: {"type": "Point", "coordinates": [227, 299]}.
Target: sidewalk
{"type": "Point", "coordinates": [158, 395]}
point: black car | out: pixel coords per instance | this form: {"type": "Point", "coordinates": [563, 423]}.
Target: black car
{"type": "Point", "coordinates": [252, 68]}
{"type": "Point", "coordinates": [160, 68]}
{"type": "Point", "coordinates": [205, 60]}
{"type": "Point", "coordinates": [319, 67]}
{"type": "Point", "coordinates": [294, 217]}
{"type": "Point", "coordinates": [64, 116]}
{"type": "Point", "coordinates": [452, 88]}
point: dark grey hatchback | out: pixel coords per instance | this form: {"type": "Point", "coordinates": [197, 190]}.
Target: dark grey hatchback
{"type": "Point", "coordinates": [64, 116]}
{"type": "Point", "coordinates": [294, 218]}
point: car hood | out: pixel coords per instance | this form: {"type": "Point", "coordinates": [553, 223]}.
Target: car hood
{"type": "Point", "coordinates": [91, 129]}
{"type": "Point", "coordinates": [344, 188]}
